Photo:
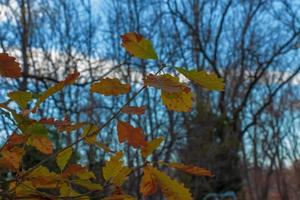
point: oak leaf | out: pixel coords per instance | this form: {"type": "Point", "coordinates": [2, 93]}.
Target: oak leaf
{"type": "Point", "coordinates": [138, 46]}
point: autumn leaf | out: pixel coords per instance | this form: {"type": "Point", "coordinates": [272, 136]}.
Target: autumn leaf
{"type": "Point", "coordinates": [165, 82]}
{"type": "Point", "coordinates": [209, 81]}
{"type": "Point", "coordinates": [197, 171]}
{"type": "Point", "coordinates": [41, 177]}
{"type": "Point", "coordinates": [134, 110]}
{"type": "Point", "coordinates": [41, 143]}
{"type": "Point", "coordinates": [110, 86]}
{"type": "Point", "coordinates": [11, 159]}
{"type": "Point", "coordinates": [90, 133]}
{"type": "Point", "coordinates": [87, 184]}
{"type": "Point", "coordinates": [79, 171]}
{"type": "Point", "coordinates": [134, 136]}
{"type": "Point", "coordinates": [151, 146]}
{"type": "Point", "coordinates": [114, 171]}
{"type": "Point", "coordinates": [148, 185]}
{"type": "Point", "coordinates": [21, 98]}
{"type": "Point", "coordinates": [179, 101]}
{"type": "Point", "coordinates": [138, 46]}
{"type": "Point", "coordinates": [120, 197]}
{"type": "Point", "coordinates": [9, 67]}
{"type": "Point", "coordinates": [171, 189]}
{"type": "Point", "coordinates": [37, 129]}
{"type": "Point", "coordinates": [62, 125]}
{"type": "Point", "coordinates": [63, 157]}
{"type": "Point", "coordinates": [71, 78]}
{"type": "Point", "coordinates": [13, 141]}
{"type": "Point", "coordinates": [68, 191]}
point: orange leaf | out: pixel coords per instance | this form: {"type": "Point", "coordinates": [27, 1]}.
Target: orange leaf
{"type": "Point", "coordinates": [11, 159]}
{"type": "Point", "coordinates": [110, 86]}
{"type": "Point", "coordinates": [189, 169]}
{"type": "Point", "coordinates": [134, 110]}
{"type": "Point", "coordinates": [148, 185]}
{"type": "Point", "coordinates": [41, 143]}
{"type": "Point", "coordinates": [14, 140]}
{"type": "Point", "coordinates": [138, 46]}
{"type": "Point", "coordinates": [165, 82]}
{"type": "Point", "coordinates": [9, 67]}
{"type": "Point", "coordinates": [78, 170]}
{"type": "Point", "coordinates": [134, 136]}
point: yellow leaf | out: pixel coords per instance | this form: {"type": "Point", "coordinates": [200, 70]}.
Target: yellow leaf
{"type": "Point", "coordinates": [148, 185]}
{"type": "Point", "coordinates": [189, 169]}
{"type": "Point", "coordinates": [57, 87]}
{"type": "Point", "coordinates": [41, 143]}
{"type": "Point", "coordinates": [88, 184]}
{"type": "Point", "coordinates": [171, 189]}
{"type": "Point", "coordinates": [114, 171]}
{"type": "Point", "coordinates": [63, 157]}
{"type": "Point", "coordinates": [138, 46]}
{"type": "Point", "coordinates": [110, 86]}
{"type": "Point", "coordinates": [67, 191]}
{"type": "Point", "coordinates": [179, 101]}
{"type": "Point", "coordinates": [151, 146]}
{"type": "Point", "coordinates": [90, 133]}
{"type": "Point", "coordinates": [202, 78]}
{"type": "Point", "coordinates": [120, 197]}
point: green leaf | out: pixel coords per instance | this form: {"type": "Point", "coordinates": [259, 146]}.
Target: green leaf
{"type": "Point", "coordinates": [37, 129]}
{"type": "Point", "coordinates": [209, 81]}
{"type": "Point", "coordinates": [138, 46]}
{"type": "Point", "coordinates": [63, 157]}
{"type": "Point", "coordinates": [21, 98]}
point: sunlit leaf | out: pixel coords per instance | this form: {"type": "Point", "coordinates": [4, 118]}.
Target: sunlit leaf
{"type": "Point", "coordinates": [138, 46]}
{"type": "Point", "coordinates": [134, 110]}
{"type": "Point", "coordinates": [114, 171]}
{"type": "Point", "coordinates": [110, 86]}
{"type": "Point", "coordinates": [209, 81]}
{"type": "Point", "coordinates": [197, 171]}
{"type": "Point", "coordinates": [151, 146]}
{"type": "Point", "coordinates": [57, 87]}
{"type": "Point", "coordinates": [148, 185]}
{"type": "Point", "coordinates": [172, 190]}
{"type": "Point", "coordinates": [9, 67]}
{"type": "Point", "coordinates": [63, 157]}
{"type": "Point", "coordinates": [134, 136]}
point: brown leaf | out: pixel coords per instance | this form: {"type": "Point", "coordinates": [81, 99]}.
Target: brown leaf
{"type": "Point", "coordinates": [9, 67]}
{"type": "Point", "coordinates": [134, 110]}
{"type": "Point", "coordinates": [110, 86]}
{"type": "Point", "coordinates": [134, 136]}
